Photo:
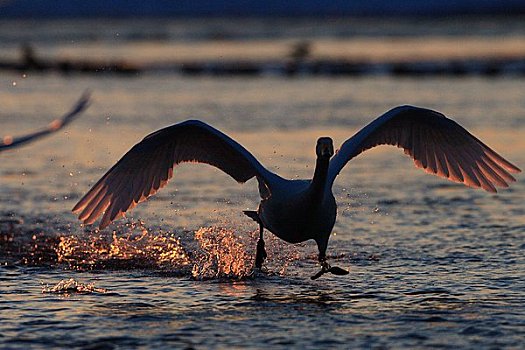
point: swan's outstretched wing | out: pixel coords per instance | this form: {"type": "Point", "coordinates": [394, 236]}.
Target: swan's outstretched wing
{"type": "Point", "coordinates": [148, 166]}
{"type": "Point", "coordinates": [437, 144]}
{"type": "Point", "coordinates": [9, 142]}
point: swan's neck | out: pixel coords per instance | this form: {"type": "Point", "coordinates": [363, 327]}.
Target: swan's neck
{"type": "Point", "coordinates": [318, 185]}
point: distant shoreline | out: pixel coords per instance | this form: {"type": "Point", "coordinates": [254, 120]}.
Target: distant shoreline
{"type": "Point", "coordinates": [349, 57]}
{"type": "Point", "coordinates": [334, 68]}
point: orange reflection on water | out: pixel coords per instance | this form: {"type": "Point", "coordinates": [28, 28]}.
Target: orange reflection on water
{"type": "Point", "coordinates": [221, 255]}
{"type": "Point", "coordinates": [126, 249]}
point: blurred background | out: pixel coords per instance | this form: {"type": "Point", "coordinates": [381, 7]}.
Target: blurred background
{"type": "Point", "coordinates": [271, 38]}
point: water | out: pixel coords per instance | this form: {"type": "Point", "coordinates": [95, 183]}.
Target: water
{"type": "Point", "coordinates": [432, 263]}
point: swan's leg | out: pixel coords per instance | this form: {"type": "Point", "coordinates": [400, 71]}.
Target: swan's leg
{"type": "Point", "coordinates": [261, 252]}
{"type": "Point", "coordinates": [325, 266]}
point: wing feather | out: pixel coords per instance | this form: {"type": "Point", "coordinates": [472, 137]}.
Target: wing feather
{"type": "Point", "coordinates": [441, 161]}
{"type": "Point", "coordinates": [499, 170]}
{"type": "Point", "coordinates": [148, 166]}
{"type": "Point", "coordinates": [431, 158]}
{"type": "Point", "coordinates": [9, 142]}
{"type": "Point", "coordinates": [436, 144]}
{"type": "Point", "coordinates": [492, 174]}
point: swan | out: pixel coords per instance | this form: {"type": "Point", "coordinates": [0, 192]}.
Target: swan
{"type": "Point", "coordinates": [294, 210]}
{"type": "Point", "coordinates": [8, 142]}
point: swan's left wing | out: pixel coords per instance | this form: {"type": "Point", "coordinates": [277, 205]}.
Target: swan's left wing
{"type": "Point", "coordinates": [437, 144]}
{"type": "Point", "coordinates": [148, 166]}
{"type": "Point", "coordinates": [9, 142]}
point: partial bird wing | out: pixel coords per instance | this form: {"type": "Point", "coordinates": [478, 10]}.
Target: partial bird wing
{"type": "Point", "coordinates": [148, 166]}
{"type": "Point", "coordinates": [9, 142]}
{"type": "Point", "coordinates": [437, 144]}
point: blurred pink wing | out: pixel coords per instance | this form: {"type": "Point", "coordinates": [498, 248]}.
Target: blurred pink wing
{"type": "Point", "coordinates": [10, 142]}
{"type": "Point", "coordinates": [437, 144]}
{"type": "Point", "coordinates": [148, 166]}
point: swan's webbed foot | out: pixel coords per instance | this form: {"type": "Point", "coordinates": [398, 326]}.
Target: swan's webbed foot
{"type": "Point", "coordinates": [261, 254]}
{"type": "Point", "coordinates": [325, 268]}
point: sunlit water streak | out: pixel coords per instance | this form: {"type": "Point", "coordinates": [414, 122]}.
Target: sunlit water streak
{"type": "Point", "coordinates": [432, 264]}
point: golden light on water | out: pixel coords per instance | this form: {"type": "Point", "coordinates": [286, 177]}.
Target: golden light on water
{"type": "Point", "coordinates": [221, 255]}
{"type": "Point", "coordinates": [137, 248]}
{"type": "Point", "coordinates": [213, 253]}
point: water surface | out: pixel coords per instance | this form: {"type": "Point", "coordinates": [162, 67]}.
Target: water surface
{"type": "Point", "coordinates": [432, 263]}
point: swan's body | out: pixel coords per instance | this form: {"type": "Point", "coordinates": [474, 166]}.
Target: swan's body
{"type": "Point", "coordinates": [299, 210]}
{"type": "Point", "coordinates": [294, 217]}
{"type": "Point", "coordinates": [294, 210]}
{"type": "Point", "coordinates": [8, 142]}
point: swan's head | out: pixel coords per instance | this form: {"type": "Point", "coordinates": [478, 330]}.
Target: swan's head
{"type": "Point", "coordinates": [325, 147]}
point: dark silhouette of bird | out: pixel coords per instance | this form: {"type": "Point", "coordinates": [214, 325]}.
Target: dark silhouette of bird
{"type": "Point", "coordinates": [8, 142]}
{"type": "Point", "coordinates": [295, 210]}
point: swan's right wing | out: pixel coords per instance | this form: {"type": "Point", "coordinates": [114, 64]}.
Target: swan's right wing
{"type": "Point", "coordinates": [436, 143]}
{"type": "Point", "coordinates": [148, 166]}
{"type": "Point", "coordinates": [10, 142]}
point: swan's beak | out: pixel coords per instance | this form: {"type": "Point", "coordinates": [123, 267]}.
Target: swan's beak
{"type": "Point", "coordinates": [327, 151]}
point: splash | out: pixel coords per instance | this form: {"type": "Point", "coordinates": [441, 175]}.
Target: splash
{"type": "Point", "coordinates": [207, 253]}
{"type": "Point", "coordinates": [213, 252]}
{"type": "Point", "coordinates": [221, 254]}
{"type": "Point", "coordinates": [137, 248]}
{"type": "Point", "coordinates": [225, 254]}
{"type": "Point", "coordinates": [71, 286]}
